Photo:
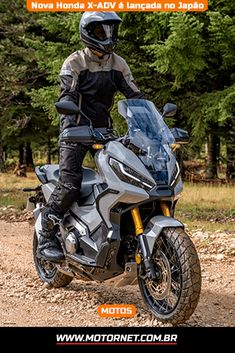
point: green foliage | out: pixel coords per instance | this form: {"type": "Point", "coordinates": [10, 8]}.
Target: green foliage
{"type": "Point", "coordinates": [185, 58]}
{"type": "Point", "coordinates": [193, 55]}
{"type": "Point", "coordinates": [119, 123]}
{"type": "Point", "coordinates": [59, 39]}
{"type": "Point", "coordinates": [45, 98]}
{"type": "Point", "coordinates": [182, 52]}
{"type": "Point", "coordinates": [210, 109]}
{"type": "Point", "coordinates": [20, 122]}
{"type": "Point", "coordinates": [222, 36]}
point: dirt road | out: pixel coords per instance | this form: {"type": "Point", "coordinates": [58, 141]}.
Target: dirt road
{"type": "Point", "coordinates": [26, 301]}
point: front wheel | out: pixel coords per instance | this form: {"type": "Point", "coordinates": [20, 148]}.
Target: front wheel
{"type": "Point", "coordinates": [174, 295]}
{"type": "Point", "coordinates": [47, 271]}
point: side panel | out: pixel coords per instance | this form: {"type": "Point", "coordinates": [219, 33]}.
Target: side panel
{"type": "Point", "coordinates": [91, 243]}
{"type": "Point", "coordinates": [125, 192]}
{"type": "Point", "coordinates": [88, 214]}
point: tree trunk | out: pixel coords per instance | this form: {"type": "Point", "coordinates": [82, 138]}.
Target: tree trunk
{"type": "Point", "coordinates": [212, 155]}
{"type": "Point", "coordinates": [49, 150]}
{"type": "Point", "coordinates": [230, 145]}
{"type": "Point", "coordinates": [28, 155]}
{"type": "Point", "coordinates": [2, 165]}
{"type": "Point", "coordinates": [21, 154]}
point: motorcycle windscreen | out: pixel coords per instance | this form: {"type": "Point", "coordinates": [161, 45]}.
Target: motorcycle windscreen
{"type": "Point", "coordinates": [149, 133]}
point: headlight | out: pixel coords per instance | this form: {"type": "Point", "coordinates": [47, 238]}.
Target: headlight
{"type": "Point", "coordinates": [130, 176]}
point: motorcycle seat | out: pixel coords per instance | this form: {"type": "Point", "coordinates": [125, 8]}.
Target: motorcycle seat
{"type": "Point", "coordinates": [49, 173]}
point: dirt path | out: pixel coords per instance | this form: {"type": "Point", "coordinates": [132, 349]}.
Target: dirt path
{"type": "Point", "coordinates": [26, 301]}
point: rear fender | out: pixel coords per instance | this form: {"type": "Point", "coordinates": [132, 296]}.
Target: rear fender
{"type": "Point", "coordinates": [155, 227]}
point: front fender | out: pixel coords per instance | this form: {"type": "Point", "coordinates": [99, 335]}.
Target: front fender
{"type": "Point", "coordinates": [155, 227]}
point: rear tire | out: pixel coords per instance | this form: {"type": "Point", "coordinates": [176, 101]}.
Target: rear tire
{"type": "Point", "coordinates": [174, 296]}
{"type": "Point", "coordinates": [47, 271]}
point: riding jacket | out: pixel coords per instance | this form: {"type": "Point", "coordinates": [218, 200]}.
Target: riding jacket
{"type": "Point", "coordinates": [91, 82]}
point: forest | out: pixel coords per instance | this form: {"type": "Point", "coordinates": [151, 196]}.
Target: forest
{"type": "Point", "coordinates": [182, 58]}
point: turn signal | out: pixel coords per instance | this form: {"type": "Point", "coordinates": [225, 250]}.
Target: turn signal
{"type": "Point", "coordinates": [175, 146]}
{"type": "Point", "coordinates": [96, 146]}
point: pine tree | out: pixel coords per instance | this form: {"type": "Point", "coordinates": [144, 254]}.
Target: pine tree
{"type": "Point", "coordinates": [196, 56]}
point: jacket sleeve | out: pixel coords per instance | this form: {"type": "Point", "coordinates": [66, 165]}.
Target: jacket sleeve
{"type": "Point", "coordinates": [68, 92]}
{"type": "Point", "coordinates": [126, 84]}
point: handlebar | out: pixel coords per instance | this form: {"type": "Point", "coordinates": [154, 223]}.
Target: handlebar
{"type": "Point", "coordinates": [87, 135]}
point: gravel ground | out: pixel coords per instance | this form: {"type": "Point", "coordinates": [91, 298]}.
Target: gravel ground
{"type": "Point", "coordinates": [26, 301]}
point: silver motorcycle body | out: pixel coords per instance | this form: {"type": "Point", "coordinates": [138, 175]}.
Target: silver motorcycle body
{"type": "Point", "coordinates": [122, 229]}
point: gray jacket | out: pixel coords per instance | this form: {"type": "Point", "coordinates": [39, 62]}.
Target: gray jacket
{"type": "Point", "coordinates": [91, 83]}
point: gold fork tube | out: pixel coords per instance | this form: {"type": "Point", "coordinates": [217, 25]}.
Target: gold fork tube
{"type": "Point", "coordinates": [165, 209]}
{"type": "Point", "coordinates": [139, 229]}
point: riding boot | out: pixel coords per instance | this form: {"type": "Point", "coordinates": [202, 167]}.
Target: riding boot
{"type": "Point", "coordinates": [49, 246]}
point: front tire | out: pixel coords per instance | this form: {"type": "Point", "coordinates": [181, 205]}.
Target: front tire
{"type": "Point", "coordinates": [174, 296]}
{"type": "Point", "coordinates": [47, 271]}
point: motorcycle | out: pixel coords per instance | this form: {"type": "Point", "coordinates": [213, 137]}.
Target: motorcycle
{"type": "Point", "coordinates": [122, 228]}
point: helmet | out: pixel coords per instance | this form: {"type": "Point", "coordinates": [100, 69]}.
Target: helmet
{"type": "Point", "coordinates": [99, 30]}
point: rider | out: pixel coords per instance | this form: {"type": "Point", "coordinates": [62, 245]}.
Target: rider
{"type": "Point", "coordinates": [90, 78]}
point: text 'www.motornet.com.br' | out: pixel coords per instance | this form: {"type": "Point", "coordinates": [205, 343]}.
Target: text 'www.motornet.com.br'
{"type": "Point", "coordinates": [83, 339]}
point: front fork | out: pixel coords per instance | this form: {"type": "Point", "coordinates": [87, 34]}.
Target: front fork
{"type": "Point", "coordinates": [139, 231]}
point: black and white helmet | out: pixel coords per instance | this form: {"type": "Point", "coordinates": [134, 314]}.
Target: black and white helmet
{"type": "Point", "coordinates": [99, 30]}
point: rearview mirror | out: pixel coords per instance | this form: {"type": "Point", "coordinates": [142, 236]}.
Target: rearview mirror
{"type": "Point", "coordinates": [181, 136]}
{"type": "Point", "coordinates": [169, 109]}
{"type": "Point", "coordinates": [67, 107]}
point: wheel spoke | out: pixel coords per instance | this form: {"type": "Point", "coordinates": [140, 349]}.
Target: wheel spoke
{"type": "Point", "coordinates": [166, 248]}
{"type": "Point", "coordinates": [164, 293]}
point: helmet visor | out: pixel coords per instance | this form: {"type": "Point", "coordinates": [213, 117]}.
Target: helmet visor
{"type": "Point", "coordinates": [103, 32]}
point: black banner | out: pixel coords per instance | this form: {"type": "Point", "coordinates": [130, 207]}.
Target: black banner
{"type": "Point", "coordinates": [163, 339]}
